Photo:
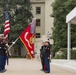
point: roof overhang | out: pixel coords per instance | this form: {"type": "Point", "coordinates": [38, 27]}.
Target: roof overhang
{"type": "Point", "coordinates": [71, 17]}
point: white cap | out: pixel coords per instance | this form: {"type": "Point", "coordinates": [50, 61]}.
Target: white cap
{"type": "Point", "coordinates": [45, 40]}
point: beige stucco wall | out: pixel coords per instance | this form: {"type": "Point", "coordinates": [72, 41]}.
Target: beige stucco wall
{"type": "Point", "coordinates": [48, 18]}
{"type": "Point", "coordinates": [39, 29]}
{"type": "Point", "coordinates": [46, 21]}
{"type": "Point", "coordinates": [37, 1]}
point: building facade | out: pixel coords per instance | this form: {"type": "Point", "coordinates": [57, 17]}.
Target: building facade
{"type": "Point", "coordinates": [41, 10]}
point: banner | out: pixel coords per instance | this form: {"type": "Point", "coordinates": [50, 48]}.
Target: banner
{"type": "Point", "coordinates": [28, 40]}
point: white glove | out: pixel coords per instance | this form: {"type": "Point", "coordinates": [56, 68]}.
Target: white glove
{"type": "Point", "coordinates": [13, 42]}
{"type": "Point", "coordinates": [7, 45]}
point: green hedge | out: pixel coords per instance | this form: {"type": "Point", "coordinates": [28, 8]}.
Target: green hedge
{"type": "Point", "coordinates": [63, 54]}
{"type": "Point", "coordinates": [73, 54]}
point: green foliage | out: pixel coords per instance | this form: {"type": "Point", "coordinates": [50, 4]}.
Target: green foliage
{"type": "Point", "coordinates": [63, 55]}
{"type": "Point", "coordinates": [19, 14]}
{"type": "Point", "coordinates": [60, 9]}
{"type": "Point", "coordinates": [73, 54]}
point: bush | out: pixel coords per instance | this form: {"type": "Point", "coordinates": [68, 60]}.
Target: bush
{"type": "Point", "coordinates": [63, 54]}
{"type": "Point", "coordinates": [58, 56]}
{"type": "Point", "coordinates": [73, 54]}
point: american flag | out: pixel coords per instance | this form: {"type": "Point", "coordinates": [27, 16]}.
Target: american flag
{"type": "Point", "coordinates": [6, 26]}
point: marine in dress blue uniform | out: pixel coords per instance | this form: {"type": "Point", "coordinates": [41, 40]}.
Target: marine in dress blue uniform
{"type": "Point", "coordinates": [42, 56]}
{"type": "Point", "coordinates": [47, 57]}
{"type": "Point", "coordinates": [2, 55]}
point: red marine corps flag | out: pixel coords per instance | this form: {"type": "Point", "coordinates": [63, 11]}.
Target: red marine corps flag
{"type": "Point", "coordinates": [27, 37]}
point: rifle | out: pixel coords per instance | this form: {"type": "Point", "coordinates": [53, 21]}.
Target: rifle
{"type": "Point", "coordinates": [8, 51]}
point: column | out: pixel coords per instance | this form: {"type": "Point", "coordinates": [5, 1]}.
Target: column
{"type": "Point", "coordinates": [69, 42]}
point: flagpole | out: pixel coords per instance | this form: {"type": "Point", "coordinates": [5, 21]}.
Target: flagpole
{"type": "Point", "coordinates": [35, 37]}
{"type": "Point", "coordinates": [12, 45]}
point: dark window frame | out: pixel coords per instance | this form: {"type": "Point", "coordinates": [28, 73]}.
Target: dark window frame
{"type": "Point", "coordinates": [38, 35]}
{"type": "Point", "coordinates": [38, 10]}
{"type": "Point", "coordinates": [38, 22]}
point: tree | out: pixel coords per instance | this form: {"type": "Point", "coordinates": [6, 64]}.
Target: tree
{"type": "Point", "coordinates": [60, 9]}
{"type": "Point", "coordinates": [20, 16]}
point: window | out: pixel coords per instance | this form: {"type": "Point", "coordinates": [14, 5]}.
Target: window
{"type": "Point", "coordinates": [37, 35]}
{"type": "Point", "coordinates": [38, 22]}
{"type": "Point", "coordinates": [38, 10]}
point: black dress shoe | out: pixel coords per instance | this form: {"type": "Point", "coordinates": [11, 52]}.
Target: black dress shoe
{"type": "Point", "coordinates": [46, 71]}
{"type": "Point", "coordinates": [2, 71]}
{"type": "Point", "coordinates": [42, 69]}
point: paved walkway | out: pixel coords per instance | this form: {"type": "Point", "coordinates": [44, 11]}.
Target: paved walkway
{"type": "Point", "coordinates": [32, 67]}
{"type": "Point", "coordinates": [71, 64]}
